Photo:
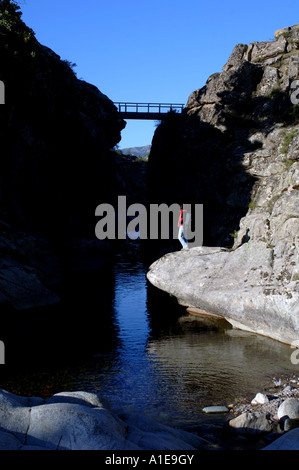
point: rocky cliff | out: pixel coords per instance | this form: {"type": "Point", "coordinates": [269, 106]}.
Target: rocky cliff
{"type": "Point", "coordinates": [57, 134]}
{"type": "Point", "coordinates": [236, 150]}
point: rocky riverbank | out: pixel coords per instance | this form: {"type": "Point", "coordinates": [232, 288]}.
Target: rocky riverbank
{"type": "Point", "coordinates": [84, 421]}
{"type": "Point", "coordinates": [266, 420]}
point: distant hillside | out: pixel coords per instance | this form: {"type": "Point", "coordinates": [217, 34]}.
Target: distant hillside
{"type": "Point", "coordinates": [137, 151]}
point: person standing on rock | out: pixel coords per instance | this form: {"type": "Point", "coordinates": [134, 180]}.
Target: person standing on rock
{"type": "Point", "coordinates": [183, 240]}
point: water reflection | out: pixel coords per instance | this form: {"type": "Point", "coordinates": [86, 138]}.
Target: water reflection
{"type": "Point", "coordinates": [170, 365]}
{"type": "Point", "coordinates": [205, 368]}
{"type": "Point", "coordinates": [130, 296]}
{"type": "Point", "coordinates": [142, 352]}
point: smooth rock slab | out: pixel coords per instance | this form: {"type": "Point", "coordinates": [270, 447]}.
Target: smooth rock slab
{"type": "Point", "coordinates": [79, 398]}
{"type": "Point", "coordinates": [146, 433]}
{"type": "Point", "coordinates": [235, 285]}
{"type": "Point", "coordinates": [288, 441]}
{"type": "Point", "coordinates": [9, 441]}
{"type": "Point", "coordinates": [82, 421]}
{"type": "Point", "coordinates": [14, 416]}
{"type": "Point", "coordinates": [69, 426]}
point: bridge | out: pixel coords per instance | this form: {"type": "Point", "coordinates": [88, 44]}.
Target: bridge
{"type": "Point", "coordinates": [146, 110]}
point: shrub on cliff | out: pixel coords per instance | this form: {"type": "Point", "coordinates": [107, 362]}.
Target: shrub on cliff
{"type": "Point", "coordinates": [10, 18]}
{"type": "Point", "coordinates": [56, 134]}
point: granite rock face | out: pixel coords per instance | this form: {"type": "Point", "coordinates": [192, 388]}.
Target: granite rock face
{"type": "Point", "coordinates": [236, 152]}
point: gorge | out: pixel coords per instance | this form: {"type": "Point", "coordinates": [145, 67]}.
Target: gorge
{"type": "Point", "coordinates": [77, 311]}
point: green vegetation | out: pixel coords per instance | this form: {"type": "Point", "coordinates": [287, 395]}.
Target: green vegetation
{"type": "Point", "coordinates": [275, 92]}
{"type": "Point", "coordinates": [271, 202]}
{"type": "Point", "coordinates": [70, 64]}
{"type": "Point", "coordinates": [288, 163]}
{"type": "Point", "coordinates": [287, 140]}
{"type": "Point", "coordinates": [286, 34]}
{"type": "Point", "coordinates": [291, 116]}
{"type": "Point", "coordinates": [143, 159]}
{"type": "Point", "coordinates": [18, 41]}
{"type": "Point", "coordinates": [134, 157]}
{"type": "Point", "coordinates": [10, 18]}
{"type": "Point", "coordinates": [252, 205]}
{"type": "Point", "coordinates": [234, 234]}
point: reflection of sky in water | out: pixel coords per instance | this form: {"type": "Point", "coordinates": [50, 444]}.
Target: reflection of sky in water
{"type": "Point", "coordinates": [175, 376]}
{"type": "Point", "coordinates": [167, 368]}
{"type": "Point", "coordinates": [129, 305]}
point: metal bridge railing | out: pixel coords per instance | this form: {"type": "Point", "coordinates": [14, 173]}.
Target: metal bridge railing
{"type": "Point", "coordinates": [155, 108]}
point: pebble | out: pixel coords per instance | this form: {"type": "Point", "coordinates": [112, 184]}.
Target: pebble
{"type": "Point", "coordinates": [215, 409]}
{"type": "Point", "coordinates": [276, 398]}
{"type": "Point", "coordinates": [260, 399]}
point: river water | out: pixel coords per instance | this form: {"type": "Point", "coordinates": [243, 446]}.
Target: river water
{"type": "Point", "coordinates": [154, 358]}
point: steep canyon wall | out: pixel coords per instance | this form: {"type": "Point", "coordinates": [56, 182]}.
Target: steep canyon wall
{"type": "Point", "coordinates": [236, 150]}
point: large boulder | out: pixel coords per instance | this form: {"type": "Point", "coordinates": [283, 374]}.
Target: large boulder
{"type": "Point", "coordinates": [289, 408]}
{"type": "Point", "coordinates": [241, 285]}
{"type": "Point", "coordinates": [82, 421]}
{"type": "Point", "coordinates": [252, 423]}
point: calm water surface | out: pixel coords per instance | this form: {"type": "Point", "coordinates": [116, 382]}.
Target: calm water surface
{"type": "Point", "coordinates": [161, 361]}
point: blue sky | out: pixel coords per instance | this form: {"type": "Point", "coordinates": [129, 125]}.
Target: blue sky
{"type": "Point", "coordinates": [152, 50]}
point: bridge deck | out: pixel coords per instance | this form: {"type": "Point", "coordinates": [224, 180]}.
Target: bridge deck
{"type": "Point", "coordinates": [146, 110]}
